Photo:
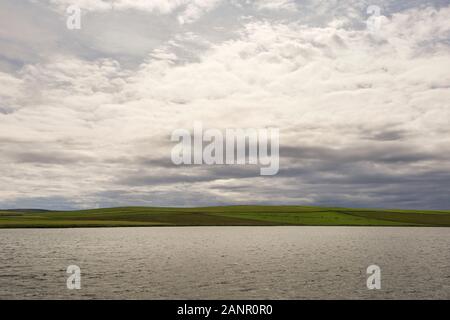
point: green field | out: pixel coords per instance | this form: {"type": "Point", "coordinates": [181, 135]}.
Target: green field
{"type": "Point", "coordinates": [221, 216]}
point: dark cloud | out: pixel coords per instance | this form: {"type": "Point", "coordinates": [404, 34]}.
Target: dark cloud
{"type": "Point", "coordinates": [397, 152]}
{"type": "Point", "coordinates": [50, 157]}
{"type": "Point", "coordinates": [186, 174]}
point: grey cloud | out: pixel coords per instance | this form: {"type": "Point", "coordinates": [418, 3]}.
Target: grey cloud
{"type": "Point", "coordinates": [388, 135]}
{"type": "Point", "coordinates": [49, 157]}
{"type": "Point", "coordinates": [398, 152]}
{"type": "Point", "coordinates": [52, 203]}
{"type": "Point", "coordinates": [189, 174]}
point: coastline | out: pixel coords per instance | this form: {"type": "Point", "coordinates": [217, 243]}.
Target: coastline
{"type": "Point", "coordinates": [222, 216]}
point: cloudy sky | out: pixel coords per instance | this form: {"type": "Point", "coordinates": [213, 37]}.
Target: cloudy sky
{"type": "Point", "coordinates": [86, 115]}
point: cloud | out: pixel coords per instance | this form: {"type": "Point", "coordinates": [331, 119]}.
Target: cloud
{"type": "Point", "coordinates": [195, 9]}
{"type": "Point", "coordinates": [363, 116]}
{"type": "Point", "coordinates": [275, 5]}
{"type": "Point", "coordinates": [188, 10]}
{"type": "Point", "coordinates": [10, 90]}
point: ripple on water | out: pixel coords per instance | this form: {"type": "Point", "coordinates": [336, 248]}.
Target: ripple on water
{"type": "Point", "coordinates": [226, 262]}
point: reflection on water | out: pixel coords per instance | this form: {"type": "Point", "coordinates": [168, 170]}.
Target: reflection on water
{"type": "Point", "coordinates": [225, 262]}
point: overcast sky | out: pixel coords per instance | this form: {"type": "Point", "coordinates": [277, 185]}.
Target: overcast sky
{"type": "Point", "coordinates": [86, 115]}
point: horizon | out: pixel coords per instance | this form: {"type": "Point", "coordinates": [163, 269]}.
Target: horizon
{"type": "Point", "coordinates": [225, 205]}
{"type": "Point", "coordinates": [91, 93]}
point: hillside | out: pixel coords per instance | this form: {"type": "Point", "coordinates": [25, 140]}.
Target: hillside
{"type": "Point", "coordinates": [221, 216]}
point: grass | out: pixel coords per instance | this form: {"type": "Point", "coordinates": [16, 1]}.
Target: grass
{"type": "Point", "coordinates": [221, 216]}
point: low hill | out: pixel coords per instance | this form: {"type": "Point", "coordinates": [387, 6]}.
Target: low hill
{"type": "Point", "coordinates": [222, 216]}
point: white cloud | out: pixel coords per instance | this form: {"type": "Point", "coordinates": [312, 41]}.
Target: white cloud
{"type": "Point", "coordinates": [275, 4]}
{"type": "Point", "coordinates": [10, 90]}
{"type": "Point", "coordinates": [190, 10]}
{"type": "Point", "coordinates": [195, 9]}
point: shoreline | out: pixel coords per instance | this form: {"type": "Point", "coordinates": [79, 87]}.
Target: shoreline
{"type": "Point", "coordinates": [221, 216]}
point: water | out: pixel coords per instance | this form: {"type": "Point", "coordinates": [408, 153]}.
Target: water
{"type": "Point", "coordinates": [225, 262]}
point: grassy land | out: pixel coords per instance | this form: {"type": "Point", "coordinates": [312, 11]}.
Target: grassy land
{"type": "Point", "coordinates": [221, 216]}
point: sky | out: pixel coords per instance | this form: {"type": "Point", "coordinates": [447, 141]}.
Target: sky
{"type": "Point", "coordinates": [362, 102]}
